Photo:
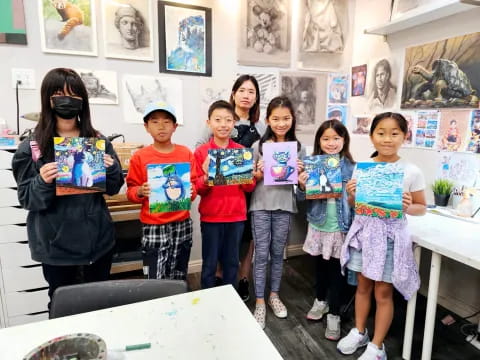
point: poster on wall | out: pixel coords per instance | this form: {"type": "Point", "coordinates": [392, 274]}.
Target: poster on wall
{"type": "Point", "coordinates": [461, 168]}
{"type": "Point", "coordinates": [323, 28]}
{"type": "Point", "coordinates": [426, 129]}
{"type": "Point", "coordinates": [185, 39]}
{"type": "Point", "coordinates": [101, 86]}
{"type": "Point", "coordinates": [68, 27]}
{"type": "Point", "coordinates": [442, 74]}
{"type": "Point", "coordinates": [127, 29]}
{"type": "Point", "coordinates": [141, 90]}
{"type": "Point", "coordinates": [264, 33]}
{"type": "Point", "coordinates": [410, 116]}
{"type": "Point", "coordinates": [12, 22]}
{"type": "Point", "coordinates": [338, 111]}
{"type": "Point", "coordinates": [305, 91]}
{"type": "Point", "coordinates": [474, 134]}
{"type": "Point", "coordinates": [382, 85]}
{"type": "Point", "coordinates": [454, 126]}
{"type": "Point", "coordinates": [337, 88]}
{"type": "Point", "coordinates": [361, 124]}
{"type": "Point", "coordinates": [359, 79]}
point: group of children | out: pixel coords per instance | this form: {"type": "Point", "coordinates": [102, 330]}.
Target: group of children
{"type": "Point", "coordinates": [378, 250]}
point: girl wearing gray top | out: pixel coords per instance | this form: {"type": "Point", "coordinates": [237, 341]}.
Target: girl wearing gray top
{"type": "Point", "coordinates": [271, 210]}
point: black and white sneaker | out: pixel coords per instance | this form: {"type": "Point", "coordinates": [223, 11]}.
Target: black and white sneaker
{"type": "Point", "coordinates": [243, 289]}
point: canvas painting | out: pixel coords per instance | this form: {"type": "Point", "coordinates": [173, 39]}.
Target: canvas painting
{"type": "Point", "coordinates": [308, 94]}
{"type": "Point", "coordinates": [230, 166]}
{"type": "Point", "coordinates": [453, 130]}
{"type": "Point", "coordinates": [443, 74]}
{"type": "Point", "coordinates": [359, 80]}
{"type": "Point", "coordinates": [474, 139]}
{"type": "Point", "coordinates": [426, 130]}
{"type": "Point", "coordinates": [280, 163]}
{"type": "Point", "coordinates": [362, 125]}
{"type": "Point", "coordinates": [68, 26]}
{"type": "Point", "coordinates": [171, 187]}
{"type": "Point", "coordinates": [12, 22]}
{"type": "Point", "coordinates": [323, 31]}
{"type": "Point", "coordinates": [81, 167]}
{"type": "Point", "coordinates": [338, 111]}
{"type": "Point", "coordinates": [324, 176]}
{"type": "Point", "coordinates": [337, 88]}
{"type": "Point", "coordinates": [101, 86]}
{"type": "Point", "coordinates": [185, 39]}
{"type": "Point", "coordinates": [264, 33]}
{"type": "Point", "coordinates": [142, 90]}
{"type": "Point", "coordinates": [127, 29]}
{"type": "Point", "coordinates": [379, 189]}
{"type": "Point", "coordinates": [382, 85]}
{"type": "Point", "coordinates": [409, 137]}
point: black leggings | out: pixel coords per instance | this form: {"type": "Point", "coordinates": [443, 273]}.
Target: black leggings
{"type": "Point", "coordinates": [329, 278]}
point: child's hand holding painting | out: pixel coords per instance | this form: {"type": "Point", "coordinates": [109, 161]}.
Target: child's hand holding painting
{"type": "Point", "coordinates": [258, 169]}
{"type": "Point", "coordinates": [144, 190]}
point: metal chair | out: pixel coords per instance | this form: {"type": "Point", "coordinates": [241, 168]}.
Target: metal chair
{"type": "Point", "coordinates": [77, 299]}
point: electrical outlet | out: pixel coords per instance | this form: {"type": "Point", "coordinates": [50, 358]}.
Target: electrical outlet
{"type": "Point", "coordinates": [25, 76]}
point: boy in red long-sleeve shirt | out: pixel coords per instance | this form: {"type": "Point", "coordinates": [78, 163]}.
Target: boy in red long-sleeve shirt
{"type": "Point", "coordinates": [223, 209]}
{"type": "Point", "coordinates": [167, 236]}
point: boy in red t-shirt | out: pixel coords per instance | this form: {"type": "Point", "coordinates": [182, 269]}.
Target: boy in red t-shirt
{"type": "Point", "coordinates": [167, 236]}
{"type": "Point", "coordinates": [223, 209]}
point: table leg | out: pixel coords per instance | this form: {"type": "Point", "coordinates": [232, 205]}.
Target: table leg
{"type": "Point", "coordinates": [431, 305]}
{"type": "Point", "coordinates": [410, 318]}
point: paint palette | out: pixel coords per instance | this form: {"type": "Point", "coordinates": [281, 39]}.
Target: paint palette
{"type": "Point", "coordinates": [71, 347]}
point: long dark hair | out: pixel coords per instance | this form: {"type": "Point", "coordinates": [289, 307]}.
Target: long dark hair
{"type": "Point", "coordinates": [341, 130]}
{"type": "Point", "coordinates": [399, 118]}
{"type": "Point", "coordinates": [56, 80]}
{"type": "Point", "coordinates": [280, 101]}
{"type": "Point", "coordinates": [254, 112]}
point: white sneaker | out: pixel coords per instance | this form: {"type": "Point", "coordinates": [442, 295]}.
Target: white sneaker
{"type": "Point", "coordinates": [260, 314]}
{"type": "Point", "coordinates": [372, 352]}
{"type": "Point", "coordinates": [333, 327]}
{"type": "Point", "coordinates": [318, 309]}
{"type": "Point", "coordinates": [277, 306]}
{"type": "Point", "coordinates": [354, 340]}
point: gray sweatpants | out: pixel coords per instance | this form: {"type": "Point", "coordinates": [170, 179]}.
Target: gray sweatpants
{"type": "Point", "coordinates": [270, 234]}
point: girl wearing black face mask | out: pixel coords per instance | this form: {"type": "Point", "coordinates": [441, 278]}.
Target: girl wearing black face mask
{"type": "Point", "coordinates": [65, 232]}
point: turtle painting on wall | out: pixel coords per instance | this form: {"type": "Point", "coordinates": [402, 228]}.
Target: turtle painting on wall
{"type": "Point", "coordinates": [443, 74]}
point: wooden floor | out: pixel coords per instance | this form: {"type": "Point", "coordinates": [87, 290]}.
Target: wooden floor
{"type": "Point", "coordinates": [297, 338]}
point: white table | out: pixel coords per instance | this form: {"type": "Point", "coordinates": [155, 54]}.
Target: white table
{"type": "Point", "coordinates": [444, 236]}
{"type": "Point", "coordinates": [205, 324]}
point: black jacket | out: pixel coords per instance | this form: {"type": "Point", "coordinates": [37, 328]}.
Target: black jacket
{"type": "Point", "coordinates": [65, 230]}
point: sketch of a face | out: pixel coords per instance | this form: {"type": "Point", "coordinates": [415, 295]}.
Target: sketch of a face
{"type": "Point", "coordinates": [382, 77]}
{"type": "Point", "coordinates": [129, 23]}
{"type": "Point", "coordinates": [304, 96]}
{"type": "Point", "coordinates": [128, 28]}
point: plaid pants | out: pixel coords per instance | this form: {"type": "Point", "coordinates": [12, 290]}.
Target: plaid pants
{"type": "Point", "coordinates": [166, 249]}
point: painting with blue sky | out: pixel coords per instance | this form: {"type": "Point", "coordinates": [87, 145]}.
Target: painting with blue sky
{"type": "Point", "coordinates": [170, 187]}
{"type": "Point", "coordinates": [379, 189]}
{"type": "Point", "coordinates": [324, 176]}
{"type": "Point", "coordinates": [230, 166]}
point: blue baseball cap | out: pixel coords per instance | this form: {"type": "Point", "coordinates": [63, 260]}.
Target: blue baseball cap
{"type": "Point", "coordinates": [159, 106]}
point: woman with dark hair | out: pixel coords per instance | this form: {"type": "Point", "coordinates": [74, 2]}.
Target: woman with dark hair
{"type": "Point", "coordinates": [66, 234]}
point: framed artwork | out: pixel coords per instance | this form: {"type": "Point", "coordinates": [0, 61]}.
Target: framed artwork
{"type": "Point", "coordinates": [410, 116]}
{"type": "Point", "coordinates": [324, 176]}
{"type": "Point", "coordinates": [337, 88]}
{"type": "Point", "coordinates": [101, 86]}
{"type": "Point", "coordinates": [127, 29]}
{"type": "Point", "coordinates": [230, 166]}
{"type": "Point", "coordinates": [264, 33]}
{"type": "Point", "coordinates": [12, 22]}
{"type": "Point", "coordinates": [361, 125]}
{"type": "Point", "coordinates": [426, 129]}
{"type": "Point", "coordinates": [382, 85]}
{"type": "Point", "coordinates": [170, 185]}
{"type": "Point", "coordinates": [474, 139]}
{"type": "Point", "coordinates": [372, 176]}
{"type": "Point", "coordinates": [338, 111]}
{"type": "Point", "coordinates": [359, 80]}
{"type": "Point", "coordinates": [453, 130]}
{"type": "Point", "coordinates": [142, 90]}
{"type": "Point", "coordinates": [185, 39]}
{"type": "Point", "coordinates": [308, 94]}
{"type": "Point", "coordinates": [68, 27]}
{"type": "Point", "coordinates": [280, 159]}
{"type": "Point", "coordinates": [81, 168]}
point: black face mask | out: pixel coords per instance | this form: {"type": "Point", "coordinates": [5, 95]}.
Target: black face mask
{"type": "Point", "coordinates": [67, 107]}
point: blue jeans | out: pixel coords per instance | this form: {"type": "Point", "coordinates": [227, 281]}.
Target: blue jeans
{"type": "Point", "coordinates": [220, 243]}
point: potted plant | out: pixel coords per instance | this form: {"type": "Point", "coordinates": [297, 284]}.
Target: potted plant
{"type": "Point", "coordinates": [442, 188]}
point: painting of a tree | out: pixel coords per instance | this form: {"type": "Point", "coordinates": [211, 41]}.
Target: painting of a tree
{"type": "Point", "coordinates": [443, 74]}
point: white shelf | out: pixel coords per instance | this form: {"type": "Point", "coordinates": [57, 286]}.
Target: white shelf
{"type": "Point", "coordinates": [424, 14]}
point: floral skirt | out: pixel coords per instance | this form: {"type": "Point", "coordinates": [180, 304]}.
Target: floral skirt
{"type": "Point", "coordinates": [327, 244]}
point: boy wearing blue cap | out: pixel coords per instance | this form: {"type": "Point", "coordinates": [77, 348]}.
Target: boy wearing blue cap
{"type": "Point", "coordinates": [167, 236]}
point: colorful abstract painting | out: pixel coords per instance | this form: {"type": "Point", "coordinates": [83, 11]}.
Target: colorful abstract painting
{"type": "Point", "coordinates": [280, 163]}
{"type": "Point", "coordinates": [324, 176]}
{"type": "Point", "coordinates": [170, 187]}
{"type": "Point", "coordinates": [185, 39]}
{"type": "Point", "coordinates": [80, 165]}
{"type": "Point", "coordinates": [379, 189]}
{"type": "Point", "coordinates": [12, 22]}
{"type": "Point", "coordinates": [230, 166]}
